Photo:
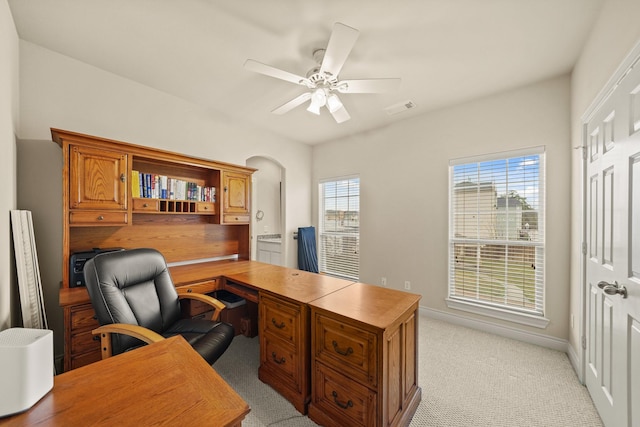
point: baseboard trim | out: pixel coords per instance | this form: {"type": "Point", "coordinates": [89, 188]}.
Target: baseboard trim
{"type": "Point", "coordinates": [574, 359]}
{"type": "Point", "coordinates": [500, 330]}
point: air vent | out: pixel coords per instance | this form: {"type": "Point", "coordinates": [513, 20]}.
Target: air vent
{"type": "Point", "coordinates": [400, 107]}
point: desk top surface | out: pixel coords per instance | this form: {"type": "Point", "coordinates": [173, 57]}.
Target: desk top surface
{"type": "Point", "coordinates": [165, 383]}
{"type": "Point", "coordinates": [369, 304]}
{"type": "Point", "coordinates": [296, 285]}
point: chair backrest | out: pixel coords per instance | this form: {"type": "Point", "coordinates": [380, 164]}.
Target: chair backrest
{"type": "Point", "coordinates": [134, 287]}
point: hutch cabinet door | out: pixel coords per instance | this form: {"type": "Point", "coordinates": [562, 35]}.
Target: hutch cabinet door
{"type": "Point", "coordinates": [98, 179]}
{"type": "Point", "coordinates": [236, 197]}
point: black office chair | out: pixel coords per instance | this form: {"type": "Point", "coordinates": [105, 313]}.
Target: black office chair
{"type": "Point", "coordinates": [136, 302]}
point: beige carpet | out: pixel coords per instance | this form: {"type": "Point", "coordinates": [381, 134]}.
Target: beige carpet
{"type": "Point", "coordinates": [468, 378]}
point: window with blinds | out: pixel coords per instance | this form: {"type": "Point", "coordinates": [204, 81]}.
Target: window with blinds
{"type": "Point", "coordinates": [496, 240]}
{"type": "Point", "coordinates": [339, 228]}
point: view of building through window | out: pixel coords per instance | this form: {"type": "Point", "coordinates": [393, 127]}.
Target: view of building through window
{"type": "Point", "coordinates": [339, 231]}
{"type": "Point", "coordinates": [496, 231]}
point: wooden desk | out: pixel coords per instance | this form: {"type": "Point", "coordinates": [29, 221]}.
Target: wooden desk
{"type": "Point", "coordinates": [283, 295]}
{"type": "Point", "coordinates": [286, 300]}
{"type": "Point", "coordinates": [166, 383]}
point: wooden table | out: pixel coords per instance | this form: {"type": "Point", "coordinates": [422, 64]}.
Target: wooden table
{"type": "Point", "coordinates": [166, 383]}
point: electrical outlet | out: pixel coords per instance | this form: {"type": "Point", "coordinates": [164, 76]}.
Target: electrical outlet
{"type": "Point", "coordinates": [383, 281]}
{"type": "Point", "coordinates": [407, 284]}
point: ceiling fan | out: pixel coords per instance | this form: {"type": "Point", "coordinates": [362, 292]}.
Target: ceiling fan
{"type": "Point", "coordinates": [323, 80]}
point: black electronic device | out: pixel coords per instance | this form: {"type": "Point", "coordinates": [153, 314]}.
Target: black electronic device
{"type": "Point", "coordinates": [77, 261]}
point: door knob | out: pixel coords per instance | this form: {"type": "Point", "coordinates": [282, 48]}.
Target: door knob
{"type": "Point", "coordinates": [613, 288]}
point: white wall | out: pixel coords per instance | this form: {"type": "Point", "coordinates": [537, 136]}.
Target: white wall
{"type": "Point", "coordinates": [8, 128]}
{"type": "Point", "coordinates": [614, 35]}
{"type": "Point", "coordinates": [57, 91]}
{"type": "Point", "coordinates": [404, 188]}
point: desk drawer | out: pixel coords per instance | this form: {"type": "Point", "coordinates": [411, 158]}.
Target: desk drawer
{"type": "Point", "coordinates": [84, 342]}
{"type": "Point", "coordinates": [146, 205]}
{"type": "Point", "coordinates": [205, 287]}
{"type": "Point", "coordinates": [85, 359]}
{"type": "Point", "coordinates": [281, 358]}
{"type": "Point", "coordinates": [206, 208]}
{"type": "Point", "coordinates": [339, 398]}
{"type": "Point", "coordinates": [280, 318]}
{"type": "Point", "coordinates": [236, 219]}
{"type": "Point", "coordinates": [346, 348]}
{"type": "Point", "coordinates": [94, 218]}
{"type": "Point", "coordinates": [83, 318]}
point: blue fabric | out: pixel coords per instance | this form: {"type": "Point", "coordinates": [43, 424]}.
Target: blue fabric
{"type": "Point", "coordinates": [307, 254]}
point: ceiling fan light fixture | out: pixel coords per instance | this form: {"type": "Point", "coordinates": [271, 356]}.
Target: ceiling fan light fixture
{"type": "Point", "coordinates": [314, 108]}
{"type": "Point", "coordinates": [333, 103]}
{"type": "Point", "coordinates": [319, 97]}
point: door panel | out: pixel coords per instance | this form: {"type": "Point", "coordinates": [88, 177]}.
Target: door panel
{"type": "Point", "coordinates": [612, 354]}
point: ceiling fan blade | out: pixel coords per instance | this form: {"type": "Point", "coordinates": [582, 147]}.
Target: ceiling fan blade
{"type": "Point", "coordinates": [341, 115]}
{"type": "Point", "coordinates": [293, 103]}
{"type": "Point", "coordinates": [369, 86]}
{"type": "Point", "coordinates": [340, 44]}
{"type": "Point", "coordinates": [268, 70]}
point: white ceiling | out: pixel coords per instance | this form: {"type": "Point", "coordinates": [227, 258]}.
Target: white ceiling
{"type": "Point", "coordinates": [445, 51]}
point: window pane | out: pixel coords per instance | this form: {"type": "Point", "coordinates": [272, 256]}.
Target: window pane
{"type": "Point", "coordinates": [339, 234]}
{"type": "Point", "coordinates": [496, 235]}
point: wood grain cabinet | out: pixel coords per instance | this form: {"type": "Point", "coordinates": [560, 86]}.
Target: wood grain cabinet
{"type": "Point", "coordinates": [283, 358]}
{"type": "Point", "coordinates": [364, 357]}
{"type": "Point", "coordinates": [84, 346]}
{"type": "Point", "coordinates": [236, 202]}
{"type": "Point", "coordinates": [97, 187]}
{"type": "Point", "coordinates": [100, 211]}
{"type": "Point", "coordinates": [97, 179]}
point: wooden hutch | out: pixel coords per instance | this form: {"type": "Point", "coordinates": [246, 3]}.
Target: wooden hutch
{"type": "Point", "coordinates": [100, 211]}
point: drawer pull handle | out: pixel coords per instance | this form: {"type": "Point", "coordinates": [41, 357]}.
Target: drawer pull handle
{"type": "Point", "coordinates": [347, 405]}
{"type": "Point", "coordinates": [279, 326]}
{"type": "Point", "coordinates": [275, 359]}
{"type": "Point", "coordinates": [346, 352]}
{"type": "Point", "coordinates": [100, 218]}
{"type": "Point", "coordinates": [145, 205]}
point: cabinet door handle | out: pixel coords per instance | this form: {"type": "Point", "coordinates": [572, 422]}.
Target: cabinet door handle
{"type": "Point", "coordinates": [347, 405]}
{"type": "Point", "coordinates": [96, 338]}
{"type": "Point", "coordinates": [338, 350]}
{"type": "Point", "coordinates": [277, 325]}
{"type": "Point", "coordinates": [275, 359]}
{"type": "Point", "coordinates": [122, 177]}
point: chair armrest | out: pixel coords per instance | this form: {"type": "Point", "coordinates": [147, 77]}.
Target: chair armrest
{"type": "Point", "coordinates": [105, 331]}
{"type": "Point", "coordinates": [217, 305]}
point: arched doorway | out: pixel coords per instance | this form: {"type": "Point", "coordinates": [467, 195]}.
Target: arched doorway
{"type": "Point", "coordinates": [268, 202]}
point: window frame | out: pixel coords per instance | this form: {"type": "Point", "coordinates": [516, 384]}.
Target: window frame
{"type": "Point", "coordinates": [323, 233]}
{"type": "Point", "coordinates": [532, 317]}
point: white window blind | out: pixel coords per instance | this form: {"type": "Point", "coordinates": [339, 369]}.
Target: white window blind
{"type": "Point", "coordinates": [339, 228]}
{"type": "Point", "coordinates": [496, 240]}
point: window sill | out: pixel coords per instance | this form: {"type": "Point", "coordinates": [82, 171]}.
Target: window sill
{"type": "Point", "coordinates": [497, 313]}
